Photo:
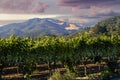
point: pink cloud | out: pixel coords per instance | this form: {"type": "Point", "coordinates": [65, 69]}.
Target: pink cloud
{"type": "Point", "coordinates": [22, 6]}
{"type": "Point", "coordinates": [96, 10]}
{"type": "Point", "coordinates": [62, 19]}
{"type": "Point", "coordinates": [74, 9]}
{"type": "Point", "coordinates": [80, 21]}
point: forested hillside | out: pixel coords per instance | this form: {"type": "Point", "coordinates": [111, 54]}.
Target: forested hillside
{"type": "Point", "coordinates": [110, 26]}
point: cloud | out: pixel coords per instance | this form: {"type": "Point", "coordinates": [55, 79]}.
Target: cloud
{"type": "Point", "coordinates": [8, 17]}
{"type": "Point", "coordinates": [86, 4]}
{"type": "Point", "coordinates": [72, 27]}
{"type": "Point", "coordinates": [97, 17]}
{"type": "Point", "coordinates": [22, 6]}
{"type": "Point", "coordinates": [92, 9]}
{"type": "Point", "coordinates": [111, 13]}
{"type": "Point", "coordinates": [89, 17]}
{"type": "Point", "coordinates": [74, 9]}
{"type": "Point", "coordinates": [62, 19]}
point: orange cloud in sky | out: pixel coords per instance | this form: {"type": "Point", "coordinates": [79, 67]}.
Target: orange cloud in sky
{"type": "Point", "coordinates": [62, 19]}
{"type": "Point", "coordinates": [74, 9]}
{"type": "Point", "coordinates": [72, 27]}
{"type": "Point", "coordinates": [80, 21]}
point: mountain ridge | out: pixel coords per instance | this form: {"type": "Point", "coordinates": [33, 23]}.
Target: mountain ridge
{"type": "Point", "coordinates": [37, 27]}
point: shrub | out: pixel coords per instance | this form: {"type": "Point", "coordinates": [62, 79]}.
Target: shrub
{"type": "Point", "coordinates": [57, 76]}
{"type": "Point", "coordinates": [106, 75]}
{"type": "Point", "coordinates": [69, 76]}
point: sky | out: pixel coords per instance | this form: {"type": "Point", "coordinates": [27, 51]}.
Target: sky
{"type": "Point", "coordinates": [75, 11]}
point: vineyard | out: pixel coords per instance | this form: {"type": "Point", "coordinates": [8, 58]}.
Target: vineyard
{"type": "Point", "coordinates": [24, 55]}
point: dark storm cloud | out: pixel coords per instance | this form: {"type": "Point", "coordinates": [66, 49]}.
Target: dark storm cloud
{"type": "Point", "coordinates": [84, 4]}
{"type": "Point", "coordinates": [22, 6]}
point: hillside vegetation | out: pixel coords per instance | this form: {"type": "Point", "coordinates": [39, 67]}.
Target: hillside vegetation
{"type": "Point", "coordinates": [110, 26]}
{"type": "Point", "coordinates": [26, 53]}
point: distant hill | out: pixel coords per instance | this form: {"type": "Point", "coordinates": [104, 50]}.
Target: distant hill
{"type": "Point", "coordinates": [108, 27]}
{"type": "Point", "coordinates": [39, 27]}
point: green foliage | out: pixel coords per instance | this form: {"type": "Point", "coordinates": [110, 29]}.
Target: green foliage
{"type": "Point", "coordinates": [106, 75]}
{"type": "Point", "coordinates": [108, 27]}
{"type": "Point", "coordinates": [56, 76]}
{"type": "Point", "coordinates": [94, 75]}
{"type": "Point", "coordinates": [66, 76]}
{"type": "Point", "coordinates": [69, 51]}
{"type": "Point", "coordinates": [69, 75]}
{"type": "Point", "coordinates": [113, 65]}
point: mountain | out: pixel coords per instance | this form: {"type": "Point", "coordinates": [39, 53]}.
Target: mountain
{"type": "Point", "coordinates": [110, 26]}
{"type": "Point", "coordinates": [39, 27]}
